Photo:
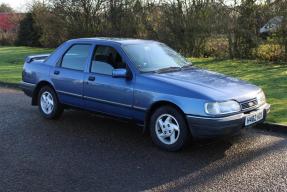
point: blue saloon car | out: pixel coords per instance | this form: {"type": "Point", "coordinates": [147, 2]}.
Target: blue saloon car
{"type": "Point", "coordinates": [144, 81]}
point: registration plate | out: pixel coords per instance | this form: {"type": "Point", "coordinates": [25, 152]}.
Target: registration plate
{"type": "Point", "coordinates": [254, 117]}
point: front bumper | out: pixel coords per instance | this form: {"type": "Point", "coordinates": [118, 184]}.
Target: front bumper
{"type": "Point", "coordinates": [28, 88]}
{"type": "Point", "coordinates": [203, 127]}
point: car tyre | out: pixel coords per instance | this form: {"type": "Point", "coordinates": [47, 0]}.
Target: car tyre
{"type": "Point", "coordinates": [168, 129]}
{"type": "Point", "coordinates": [48, 103]}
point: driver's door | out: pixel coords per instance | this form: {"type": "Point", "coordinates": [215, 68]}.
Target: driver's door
{"type": "Point", "coordinates": [102, 92]}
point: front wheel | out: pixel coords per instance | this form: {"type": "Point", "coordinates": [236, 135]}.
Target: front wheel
{"type": "Point", "coordinates": [168, 129]}
{"type": "Point", "coordinates": [48, 103]}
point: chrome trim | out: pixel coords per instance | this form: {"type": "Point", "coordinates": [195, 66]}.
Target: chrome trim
{"type": "Point", "coordinates": [140, 108]}
{"type": "Point", "coordinates": [103, 100]}
{"type": "Point", "coordinates": [267, 107]}
{"type": "Point", "coordinates": [217, 118]}
{"type": "Point", "coordinates": [68, 93]}
{"type": "Point", "coordinates": [106, 101]}
{"type": "Point", "coordinates": [28, 84]}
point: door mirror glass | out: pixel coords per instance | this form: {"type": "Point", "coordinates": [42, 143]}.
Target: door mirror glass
{"type": "Point", "coordinates": [120, 73]}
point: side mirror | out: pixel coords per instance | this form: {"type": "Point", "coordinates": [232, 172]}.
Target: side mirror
{"type": "Point", "coordinates": [120, 73]}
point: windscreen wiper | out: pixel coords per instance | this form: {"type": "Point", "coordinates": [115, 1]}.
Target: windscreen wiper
{"type": "Point", "coordinates": [168, 69]}
{"type": "Point", "coordinates": [188, 66]}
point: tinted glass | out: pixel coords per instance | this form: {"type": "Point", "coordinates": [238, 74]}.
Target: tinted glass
{"type": "Point", "coordinates": [76, 57]}
{"type": "Point", "coordinates": [106, 59]}
{"type": "Point", "coordinates": [154, 56]}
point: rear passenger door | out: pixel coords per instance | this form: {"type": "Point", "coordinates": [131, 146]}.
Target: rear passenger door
{"type": "Point", "coordinates": [68, 75]}
{"type": "Point", "coordinates": [103, 92]}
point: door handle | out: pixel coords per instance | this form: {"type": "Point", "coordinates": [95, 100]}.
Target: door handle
{"type": "Point", "coordinates": [92, 78]}
{"type": "Point", "coordinates": [56, 72]}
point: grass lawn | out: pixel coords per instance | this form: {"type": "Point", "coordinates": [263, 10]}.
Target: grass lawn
{"type": "Point", "coordinates": [12, 60]}
{"type": "Point", "coordinates": [271, 77]}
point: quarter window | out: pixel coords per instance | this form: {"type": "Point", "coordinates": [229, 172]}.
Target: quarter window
{"type": "Point", "coordinates": [76, 57]}
{"type": "Point", "coordinates": [105, 60]}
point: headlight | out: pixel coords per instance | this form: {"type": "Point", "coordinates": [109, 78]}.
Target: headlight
{"type": "Point", "coordinates": [219, 108]}
{"type": "Point", "coordinates": [261, 98]}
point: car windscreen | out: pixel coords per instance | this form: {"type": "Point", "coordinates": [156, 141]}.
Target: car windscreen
{"type": "Point", "coordinates": [154, 56]}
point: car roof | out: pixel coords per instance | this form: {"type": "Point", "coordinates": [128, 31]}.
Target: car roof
{"type": "Point", "coordinates": [124, 41]}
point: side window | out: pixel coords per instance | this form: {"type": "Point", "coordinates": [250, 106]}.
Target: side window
{"type": "Point", "coordinates": [105, 59]}
{"type": "Point", "coordinates": [75, 58]}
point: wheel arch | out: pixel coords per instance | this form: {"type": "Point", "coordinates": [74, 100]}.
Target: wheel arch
{"type": "Point", "coordinates": [157, 105]}
{"type": "Point", "coordinates": [38, 88]}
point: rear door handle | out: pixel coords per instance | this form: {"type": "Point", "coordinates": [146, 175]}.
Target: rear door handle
{"type": "Point", "coordinates": [92, 78]}
{"type": "Point", "coordinates": [56, 72]}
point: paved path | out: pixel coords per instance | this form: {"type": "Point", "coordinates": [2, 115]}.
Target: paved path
{"type": "Point", "coordinates": [83, 152]}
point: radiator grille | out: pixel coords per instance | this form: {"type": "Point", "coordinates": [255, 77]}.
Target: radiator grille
{"type": "Point", "coordinates": [246, 105]}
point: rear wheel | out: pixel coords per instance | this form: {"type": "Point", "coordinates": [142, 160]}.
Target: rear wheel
{"type": "Point", "coordinates": [168, 129]}
{"type": "Point", "coordinates": [48, 103]}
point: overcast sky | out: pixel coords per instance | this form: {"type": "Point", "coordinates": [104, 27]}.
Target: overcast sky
{"type": "Point", "coordinates": [18, 5]}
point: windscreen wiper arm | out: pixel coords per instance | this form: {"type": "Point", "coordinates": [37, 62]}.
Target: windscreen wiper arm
{"type": "Point", "coordinates": [168, 69]}
{"type": "Point", "coordinates": [190, 65]}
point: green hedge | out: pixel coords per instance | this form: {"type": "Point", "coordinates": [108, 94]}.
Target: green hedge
{"type": "Point", "coordinates": [269, 52]}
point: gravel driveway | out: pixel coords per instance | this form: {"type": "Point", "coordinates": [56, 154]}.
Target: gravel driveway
{"type": "Point", "coordinates": [84, 152]}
